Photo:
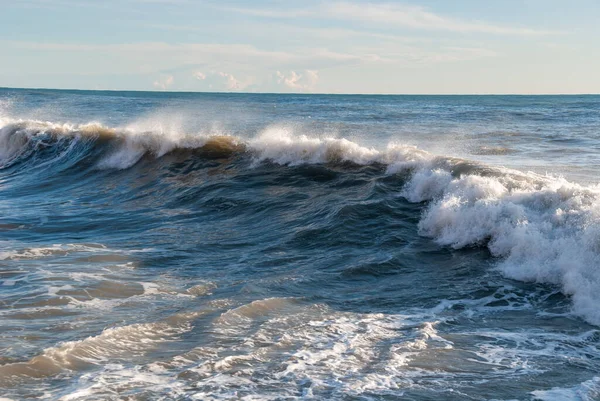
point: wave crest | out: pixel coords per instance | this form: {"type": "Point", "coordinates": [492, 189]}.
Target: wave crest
{"type": "Point", "coordinates": [21, 140]}
{"type": "Point", "coordinates": [544, 228]}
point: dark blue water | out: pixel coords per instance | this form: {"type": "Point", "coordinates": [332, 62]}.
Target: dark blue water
{"type": "Point", "coordinates": [183, 246]}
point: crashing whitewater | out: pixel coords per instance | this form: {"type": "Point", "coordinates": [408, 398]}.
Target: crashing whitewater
{"type": "Point", "coordinates": [543, 229]}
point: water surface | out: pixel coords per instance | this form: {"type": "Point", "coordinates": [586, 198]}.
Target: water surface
{"type": "Point", "coordinates": [184, 246]}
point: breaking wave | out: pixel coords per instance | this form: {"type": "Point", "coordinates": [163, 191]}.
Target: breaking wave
{"type": "Point", "coordinates": [542, 228]}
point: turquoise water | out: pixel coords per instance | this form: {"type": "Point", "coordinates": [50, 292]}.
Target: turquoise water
{"type": "Point", "coordinates": [185, 246]}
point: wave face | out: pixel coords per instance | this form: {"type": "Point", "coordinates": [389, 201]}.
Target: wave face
{"type": "Point", "coordinates": [269, 246]}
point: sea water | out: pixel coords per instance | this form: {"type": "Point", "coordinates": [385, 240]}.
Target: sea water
{"type": "Point", "coordinates": [186, 246]}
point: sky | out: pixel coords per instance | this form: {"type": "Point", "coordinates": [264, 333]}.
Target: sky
{"type": "Point", "coordinates": [348, 46]}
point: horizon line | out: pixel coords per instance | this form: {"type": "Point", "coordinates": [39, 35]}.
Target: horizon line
{"type": "Point", "coordinates": [297, 93]}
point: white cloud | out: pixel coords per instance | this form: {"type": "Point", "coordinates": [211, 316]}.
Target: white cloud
{"type": "Point", "coordinates": [160, 56]}
{"type": "Point", "coordinates": [256, 12]}
{"type": "Point", "coordinates": [223, 80]}
{"type": "Point", "coordinates": [226, 67]}
{"type": "Point", "coordinates": [164, 83]}
{"type": "Point", "coordinates": [403, 15]}
{"type": "Point", "coordinates": [419, 18]}
{"type": "Point", "coordinates": [305, 81]}
{"type": "Point", "coordinates": [454, 53]}
{"type": "Point", "coordinates": [233, 84]}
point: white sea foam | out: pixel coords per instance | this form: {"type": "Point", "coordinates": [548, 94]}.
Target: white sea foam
{"type": "Point", "coordinates": [544, 229]}
{"type": "Point", "coordinates": [314, 351]}
{"type": "Point", "coordinates": [285, 348]}
{"type": "Point", "coordinates": [41, 252]}
{"type": "Point", "coordinates": [281, 145]}
{"type": "Point", "coordinates": [53, 250]}
{"type": "Point", "coordinates": [97, 385]}
{"type": "Point", "coordinates": [284, 341]}
{"type": "Point", "coordinates": [586, 391]}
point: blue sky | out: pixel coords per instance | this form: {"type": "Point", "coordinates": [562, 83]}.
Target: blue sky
{"type": "Point", "coordinates": [350, 46]}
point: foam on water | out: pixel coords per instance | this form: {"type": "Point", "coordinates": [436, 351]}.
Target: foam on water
{"type": "Point", "coordinates": [544, 228]}
{"type": "Point", "coordinates": [586, 391]}
{"type": "Point", "coordinates": [284, 347]}
{"type": "Point", "coordinates": [54, 250]}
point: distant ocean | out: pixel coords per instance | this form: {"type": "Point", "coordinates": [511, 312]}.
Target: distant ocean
{"type": "Point", "coordinates": [187, 246]}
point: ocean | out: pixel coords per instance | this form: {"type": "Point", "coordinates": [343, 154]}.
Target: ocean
{"type": "Point", "coordinates": [198, 246]}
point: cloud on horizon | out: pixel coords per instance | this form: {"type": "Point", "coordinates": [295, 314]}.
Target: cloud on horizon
{"type": "Point", "coordinates": [305, 81]}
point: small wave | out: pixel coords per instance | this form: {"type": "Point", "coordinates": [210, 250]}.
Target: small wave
{"type": "Point", "coordinates": [492, 151]}
{"type": "Point", "coordinates": [117, 343]}
{"type": "Point", "coordinates": [586, 391]}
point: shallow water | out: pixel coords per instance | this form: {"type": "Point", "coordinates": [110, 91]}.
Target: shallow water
{"type": "Point", "coordinates": [225, 246]}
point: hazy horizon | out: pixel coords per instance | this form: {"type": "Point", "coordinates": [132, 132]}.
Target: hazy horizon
{"type": "Point", "coordinates": [294, 93]}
